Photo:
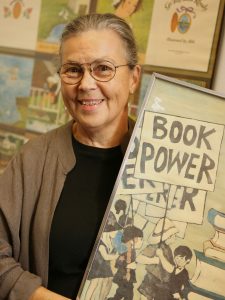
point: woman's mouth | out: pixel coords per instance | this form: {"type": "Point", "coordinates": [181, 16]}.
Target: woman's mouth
{"type": "Point", "coordinates": [90, 102]}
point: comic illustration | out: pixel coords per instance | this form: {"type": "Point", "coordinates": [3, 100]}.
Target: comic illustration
{"type": "Point", "coordinates": [163, 235]}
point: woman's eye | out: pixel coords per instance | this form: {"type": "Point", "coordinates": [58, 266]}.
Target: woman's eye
{"type": "Point", "coordinates": [103, 68]}
{"type": "Point", "coordinates": [73, 70]}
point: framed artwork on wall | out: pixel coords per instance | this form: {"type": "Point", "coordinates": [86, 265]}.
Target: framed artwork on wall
{"type": "Point", "coordinates": [184, 43]}
{"type": "Point", "coordinates": [163, 231]}
{"type": "Point", "coordinates": [19, 21]}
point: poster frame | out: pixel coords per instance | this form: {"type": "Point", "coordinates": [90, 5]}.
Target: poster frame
{"type": "Point", "coordinates": [186, 88]}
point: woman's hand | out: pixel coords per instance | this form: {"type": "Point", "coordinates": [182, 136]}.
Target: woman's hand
{"type": "Point", "coordinates": [42, 293]}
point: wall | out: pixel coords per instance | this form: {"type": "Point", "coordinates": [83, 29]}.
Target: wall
{"type": "Point", "coordinates": [219, 79]}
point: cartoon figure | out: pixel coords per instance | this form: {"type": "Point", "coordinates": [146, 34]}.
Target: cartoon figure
{"type": "Point", "coordinates": [120, 208]}
{"type": "Point", "coordinates": [125, 277]}
{"type": "Point", "coordinates": [178, 285]}
{"type": "Point", "coordinates": [156, 276]}
{"type": "Point", "coordinates": [123, 220]}
{"type": "Point", "coordinates": [101, 273]}
{"type": "Point", "coordinates": [126, 8]}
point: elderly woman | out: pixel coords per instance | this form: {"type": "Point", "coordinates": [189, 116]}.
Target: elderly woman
{"type": "Point", "coordinates": [55, 190]}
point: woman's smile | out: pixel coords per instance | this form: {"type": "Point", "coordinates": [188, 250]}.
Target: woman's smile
{"type": "Point", "coordinates": [90, 104]}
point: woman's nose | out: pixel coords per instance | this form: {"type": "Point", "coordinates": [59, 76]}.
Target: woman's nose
{"type": "Point", "coordinates": [87, 81]}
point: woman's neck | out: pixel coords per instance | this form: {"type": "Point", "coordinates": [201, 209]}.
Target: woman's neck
{"type": "Point", "coordinates": [104, 138]}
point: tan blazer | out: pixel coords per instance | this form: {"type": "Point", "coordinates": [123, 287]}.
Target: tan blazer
{"type": "Point", "coordinates": [29, 191]}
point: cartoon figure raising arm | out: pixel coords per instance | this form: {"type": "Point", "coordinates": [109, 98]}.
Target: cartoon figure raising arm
{"type": "Point", "coordinates": [178, 286]}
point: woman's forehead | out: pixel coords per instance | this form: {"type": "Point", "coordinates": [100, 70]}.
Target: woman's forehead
{"type": "Point", "coordinates": [96, 33]}
{"type": "Point", "coordinates": [94, 44]}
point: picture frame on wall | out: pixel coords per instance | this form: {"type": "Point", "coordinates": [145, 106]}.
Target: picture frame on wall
{"type": "Point", "coordinates": [185, 41]}
{"type": "Point", "coordinates": [19, 23]}
{"type": "Point", "coordinates": [163, 231]}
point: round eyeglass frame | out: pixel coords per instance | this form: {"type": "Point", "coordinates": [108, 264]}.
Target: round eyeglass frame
{"type": "Point", "coordinates": [90, 70]}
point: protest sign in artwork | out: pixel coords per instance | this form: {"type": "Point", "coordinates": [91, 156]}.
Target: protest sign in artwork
{"type": "Point", "coordinates": [158, 239]}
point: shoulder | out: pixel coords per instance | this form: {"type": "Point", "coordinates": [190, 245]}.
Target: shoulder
{"type": "Point", "coordinates": [57, 135]}
{"type": "Point", "coordinates": [54, 145]}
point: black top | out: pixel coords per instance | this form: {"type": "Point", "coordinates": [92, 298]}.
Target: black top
{"type": "Point", "coordinates": [78, 215]}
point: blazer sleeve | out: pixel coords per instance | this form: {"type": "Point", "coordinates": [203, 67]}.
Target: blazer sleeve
{"type": "Point", "coordinates": [16, 283]}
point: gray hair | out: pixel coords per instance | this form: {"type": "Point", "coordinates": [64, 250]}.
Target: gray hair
{"type": "Point", "coordinates": [98, 21]}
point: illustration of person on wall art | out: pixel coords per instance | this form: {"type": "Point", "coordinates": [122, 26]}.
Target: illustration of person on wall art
{"type": "Point", "coordinates": [156, 276]}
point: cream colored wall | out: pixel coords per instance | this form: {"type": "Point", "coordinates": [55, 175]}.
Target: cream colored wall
{"type": "Point", "coordinates": [219, 75]}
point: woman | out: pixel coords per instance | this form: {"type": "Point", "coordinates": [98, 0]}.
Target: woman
{"type": "Point", "coordinates": [55, 191]}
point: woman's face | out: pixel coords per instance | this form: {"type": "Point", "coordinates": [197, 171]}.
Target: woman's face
{"type": "Point", "coordinates": [93, 104]}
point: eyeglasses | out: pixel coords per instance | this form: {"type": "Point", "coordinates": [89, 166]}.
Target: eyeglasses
{"type": "Point", "coordinates": [100, 70]}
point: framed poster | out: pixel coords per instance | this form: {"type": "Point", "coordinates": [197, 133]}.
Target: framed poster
{"type": "Point", "coordinates": [179, 34]}
{"type": "Point", "coordinates": [185, 40]}
{"type": "Point", "coordinates": [19, 23]}
{"type": "Point", "coordinates": [163, 234]}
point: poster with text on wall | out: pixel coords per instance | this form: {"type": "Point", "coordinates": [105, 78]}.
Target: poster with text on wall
{"type": "Point", "coordinates": [184, 34]}
{"type": "Point", "coordinates": [163, 234]}
{"type": "Point", "coordinates": [19, 23]}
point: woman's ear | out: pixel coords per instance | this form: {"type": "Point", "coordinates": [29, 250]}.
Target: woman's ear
{"type": "Point", "coordinates": [135, 78]}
